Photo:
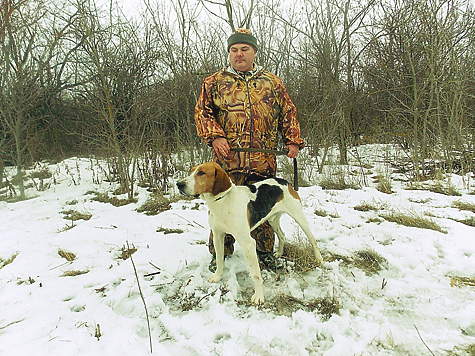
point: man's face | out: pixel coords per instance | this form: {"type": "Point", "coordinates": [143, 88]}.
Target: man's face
{"type": "Point", "coordinates": [241, 56]}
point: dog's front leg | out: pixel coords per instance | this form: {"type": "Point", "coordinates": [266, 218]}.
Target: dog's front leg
{"type": "Point", "coordinates": [218, 241]}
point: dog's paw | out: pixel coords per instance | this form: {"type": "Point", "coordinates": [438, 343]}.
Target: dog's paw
{"type": "Point", "coordinates": [278, 254]}
{"type": "Point", "coordinates": [214, 278]}
{"type": "Point", "coordinates": [257, 299]}
{"type": "Point", "coordinates": [319, 258]}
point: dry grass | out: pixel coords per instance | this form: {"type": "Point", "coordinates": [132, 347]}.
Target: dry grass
{"type": "Point", "coordinates": [419, 200]}
{"type": "Point", "coordinates": [383, 183]}
{"type": "Point", "coordinates": [75, 215]}
{"type": "Point", "coordinates": [369, 206]}
{"type": "Point", "coordinates": [302, 257]}
{"type": "Point", "coordinates": [375, 220]}
{"type": "Point", "coordinates": [469, 221]}
{"type": "Point", "coordinates": [115, 201]}
{"type": "Point", "coordinates": [323, 213]}
{"type": "Point", "coordinates": [69, 256]}
{"type": "Point", "coordinates": [326, 306]}
{"type": "Point", "coordinates": [335, 183]}
{"type": "Point", "coordinates": [67, 227]}
{"type": "Point", "coordinates": [470, 349]}
{"type": "Point", "coordinates": [456, 281]}
{"type": "Point", "coordinates": [192, 301]}
{"type": "Point", "coordinates": [447, 189]}
{"type": "Point", "coordinates": [74, 273]}
{"type": "Point", "coordinates": [284, 304]}
{"type": "Point", "coordinates": [462, 205]}
{"type": "Point", "coordinates": [412, 219]}
{"type": "Point", "coordinates": [126, 252]}
{"type": "Point", "coordinates": [467, 350]}
{"type": "Point", "coordinates": [6, 261]}
{"type": "Point", "coordinates": [367, 260]}
{"type": "Point", "coordinates": [336, 178]}
{"type": "Point", "coordinates": [365, 207]}
{"type": "Point", "coordinates": [186, 301]}
{"type": "Point", "coordinates": [167, 231]}
{"type": "Point", "coordinates": [156, 204]}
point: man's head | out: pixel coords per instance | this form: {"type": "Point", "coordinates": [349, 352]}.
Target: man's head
{"type": "Point", "coordinates": [242, 48]}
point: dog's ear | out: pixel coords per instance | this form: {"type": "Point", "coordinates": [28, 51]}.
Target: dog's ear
{"type": "Point", "coordinates": [221, 181]}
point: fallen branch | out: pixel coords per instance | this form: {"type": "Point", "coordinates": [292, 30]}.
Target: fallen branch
{"type": "Point", "coordinates": [189, 222]}
{"type": "Point", "coordinates": [152, 274]}
{"type": "Point", "coordinates": [10, 324]}
{"type": "Point", "coordinates": [420, 337]}
{"type": "Point", "coordinates": [143, 300]}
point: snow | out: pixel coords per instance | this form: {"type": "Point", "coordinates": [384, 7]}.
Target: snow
{"type": "Point", "coordinates": [408, 308]}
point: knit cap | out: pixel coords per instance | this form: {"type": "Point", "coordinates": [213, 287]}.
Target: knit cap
{"type": "Point", "coordinates": [242, 36]}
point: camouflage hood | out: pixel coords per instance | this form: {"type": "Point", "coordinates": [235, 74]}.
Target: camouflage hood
{"type": "Point", "coordinates": [249, 110]}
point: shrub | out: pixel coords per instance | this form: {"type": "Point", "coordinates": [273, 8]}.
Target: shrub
{"type": "Point", "coordinates": [383, 184]}
{"type": "Point", "coordinates": [336, 178]}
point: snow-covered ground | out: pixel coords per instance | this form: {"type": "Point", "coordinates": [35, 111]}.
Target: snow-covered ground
{"type": "Point", "coordinates": [410, 307]}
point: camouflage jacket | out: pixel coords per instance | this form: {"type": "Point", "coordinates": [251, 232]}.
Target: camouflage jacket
{"type": "Point", "coordinates": [249, 110]}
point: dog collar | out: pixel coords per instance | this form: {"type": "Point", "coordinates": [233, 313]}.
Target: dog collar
{"type": "Point", "coordinates": [222, 194]}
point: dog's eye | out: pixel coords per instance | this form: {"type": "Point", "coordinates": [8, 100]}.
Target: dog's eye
{"type": "Point", "coordinates": [200, 173]}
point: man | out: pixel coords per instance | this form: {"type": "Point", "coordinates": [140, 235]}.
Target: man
{"type": "Point", "coordinates": [245, 106]}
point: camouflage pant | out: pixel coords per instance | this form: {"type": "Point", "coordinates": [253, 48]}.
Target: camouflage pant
{"type": "Point", "coordinates": [263, 234]}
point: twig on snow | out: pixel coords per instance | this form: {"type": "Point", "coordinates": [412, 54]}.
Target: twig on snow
{"type": "Point", "coordinates": [420, 337]}
{"type": "Point", "coordinates": [189, 222]}
{"type": "Point", "coordinates": [143, 300]}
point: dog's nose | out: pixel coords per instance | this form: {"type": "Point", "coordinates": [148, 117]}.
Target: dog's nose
{"type": "Point", "coordinates": [180, 185]}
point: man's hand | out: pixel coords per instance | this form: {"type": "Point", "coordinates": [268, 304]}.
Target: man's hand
{"type": "Point", "coordinates": [221, 147]}
{"type": "Point", "coordinates": [293, 150]}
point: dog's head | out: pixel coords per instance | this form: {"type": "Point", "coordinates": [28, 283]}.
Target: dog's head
{"type": "Point", "coordinates": [206, 178]}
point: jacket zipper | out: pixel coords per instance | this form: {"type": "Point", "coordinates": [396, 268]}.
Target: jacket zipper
{"type": "Point", "coordinates": [252, 120]}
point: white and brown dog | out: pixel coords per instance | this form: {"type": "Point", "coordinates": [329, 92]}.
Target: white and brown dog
{"type": "Point", "coordinates": [237, 210]}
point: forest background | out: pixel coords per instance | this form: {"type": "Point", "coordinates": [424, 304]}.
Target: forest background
{"type": "Point", "coordinates": [82, 79]}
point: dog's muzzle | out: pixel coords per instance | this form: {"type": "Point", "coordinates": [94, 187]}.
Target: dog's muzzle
{"type": "Point", "coordinates": [181, 187]}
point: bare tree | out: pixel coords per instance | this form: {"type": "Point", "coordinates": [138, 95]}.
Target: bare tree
{"type": "Point", "coordinates": [237, 14]}
{"type": "Point", "coordinates": [328, 33]}
{"type": "Point", "coordinates": [119, 62]}
{"type": "Point", "coordinates": [420, 80]}
{"type": "Point", "coordinates": [19, 80]}
{"type": "Point", "coordinates": [191, 51]}
{"type": "Point", "coordinates": [35, 61]}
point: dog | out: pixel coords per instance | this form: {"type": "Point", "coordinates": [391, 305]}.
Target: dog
{"type": "Point", "coordinates": [237, 210]}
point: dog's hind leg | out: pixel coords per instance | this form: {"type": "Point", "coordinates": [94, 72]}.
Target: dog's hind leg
{"type": "Point", "coordinates": [218, 241]}
{"type": "Point", "coordinates": [299, 217]}
{"type": "Point", "coordinates": [274, 222]}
